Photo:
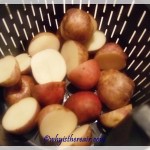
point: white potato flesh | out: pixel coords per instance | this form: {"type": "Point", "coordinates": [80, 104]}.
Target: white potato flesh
{"type": "Point", "coordinates": [61, 122]}
{"type": "Point", "coordinates": [43, 41]}
{"type": "Point", "coordinates": [74, 54]}
{"type": "Point", "coordinates": [97, 41]}
{"type": "Point", "coordinates": [83, 131]}
{"type": "Point", "coordinates": [9, 71]}
{"type": "Point", "coordinates": [19, 116]}
{"type": "Point", "coordinates": [48, 66]}
{"type": "Point", "coordinates": [24, 61]}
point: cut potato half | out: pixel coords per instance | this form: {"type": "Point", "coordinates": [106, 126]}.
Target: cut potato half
{"type": "Point", "coordinates": [9, 71]}
{"type": "Point", "coordinates": [84, 135]}
{"type": "Point", "coordinates": [21, 117]}
{"type": "Point", "coordinates": [43, 41]}
{"type": "Point", "coordinates": [74, 54]}
{"type": "Point", "coordinates": [24, 61]}
{"type": "Point", "coordinates": [111, 56]}
{"type": "Point", "coordinates": [113, 118]}
{"type": "Point", "coordinates": [56, 119]}
{"type": "Point", "coordinates": [96, 42]}
{"type": "Point", "coordinates": [48, 66]}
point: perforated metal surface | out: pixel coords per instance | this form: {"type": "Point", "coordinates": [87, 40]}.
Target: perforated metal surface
{"type": "Point", "coordinates": [128, 25]}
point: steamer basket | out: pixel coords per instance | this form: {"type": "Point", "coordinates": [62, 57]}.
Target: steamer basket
{"type": "Point", "coordinates": [128, 25]}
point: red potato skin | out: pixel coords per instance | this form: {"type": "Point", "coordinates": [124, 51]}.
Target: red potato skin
{"type": "Point", "coordinates": [86, 75]}
{"type": "Point", "coordinates": [19, 91]}
{"type": "Point", "coordinates": [49, 93]}
{"type": "Point", "coordinates": [86, 105]}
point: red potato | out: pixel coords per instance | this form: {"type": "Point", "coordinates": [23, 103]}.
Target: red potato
{"type": "Point", "coordinates": [21, 117]}
{"type": "Point", "coordinates": [115, 89]}
{"type": "Point", "coordinates": [24, 61]}
{"type": "Point", "coordinates": [42, 41]}
{"type": "Point", "coordinates": [86, 105]}
{"type": "Point", "coordinates": [113, 118]}
{"type": "Point", "coordinates": [9, 71]}
{"type": "Point", "coordinates": [56, 119]}
{"type": "Point", "coordinates": [76, 25]}
{"type": "Point", "coordinates": [74, 54]}
{"type": "Point", "coordinates": [19, 91]}
{"type": "Point", "coordinates": [111, 56]}
{"type": "Point", "coordinates": [49, 93]}
{"type": "Point", "coordinates": [86, 75]}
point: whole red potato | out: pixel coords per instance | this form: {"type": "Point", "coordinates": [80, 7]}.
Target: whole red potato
{"type": "Point", "coordinates": [86, 105]}
{"type": "Point", "coordinates": [49, 93]}
{"type": "Point", "coordinates": [86, 75]}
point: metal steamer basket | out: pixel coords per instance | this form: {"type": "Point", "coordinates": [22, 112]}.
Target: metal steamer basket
{"type": "Point", "coordinates": [125, 24]}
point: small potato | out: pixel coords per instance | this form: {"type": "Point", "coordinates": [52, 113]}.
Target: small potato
{"type": "Point", "coordinates": [96, 42]}
{"type": "Point", "coordinates": [19, 91]}
{"type": "Point", "coordinates": [21, 117]}
{"type": "Point", "coordinates": [42, 41]}
{"type": "Point", "coordinates": [9, 71]}
{"type": "Point", "coordinates": [56, 120]}
{"type": "Point", "coordinates": [83, 133]}
{"type": "Point", "coordinates": [77, 25]}
{"type": "Point", "coordinates": [113, 118]}
{"type": "Point", "coordinates": [86, 105]}
{"type": "Point", "coordinates": [49, 93]}
{"type": "Point", "coordinates": [86, 75]}
{"type": "Point", "coordinates": [115, 88]}
{"type": "Point", "coordinates": [111, 56]}
{"type": "Point", "coordinates": [24, 61]}
{"type": "Point", "coordinates": [74, 54]}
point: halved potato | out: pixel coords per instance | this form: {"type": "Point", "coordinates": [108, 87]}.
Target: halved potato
{"type": "Point", "coordinates": [9, 71]}
{"type": "Point", "coordinates": [43, 41]}
{"type": "Point", "coordinates": [96, 42]}
{"type": "Point", "coordinates": [84, 135]}
{"type": "Point", "coordinates": [113, 118]}
{"type": "Point", "coordinates": [19, 91]}
{"type": "Point", "coordinates": [48, 66]}
{"type": "Point", "coordinates": [24, 61]}
{"type": "Point", "coordinates": [21, 117]}
{"type": "Point", "coordinates": [111, 56]}
{"type": "Point", "coordinates": [74, 54]}
{"type": "Point", "coordinates": [56, 119]}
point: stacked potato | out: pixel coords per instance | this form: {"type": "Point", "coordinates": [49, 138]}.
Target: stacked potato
{"type": "Point", "coordinates": [35, 82]}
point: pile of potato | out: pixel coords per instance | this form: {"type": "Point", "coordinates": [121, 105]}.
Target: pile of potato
{"type": "Point", "coordinates": [35, 84]}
